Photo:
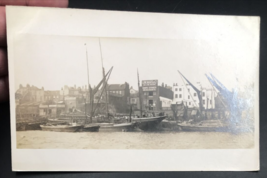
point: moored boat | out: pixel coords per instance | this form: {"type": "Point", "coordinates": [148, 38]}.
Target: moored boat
{"type": "Point", "coordinates": [61, 128]}
{"type": "Point", "coordinates": [58, 121]}
{"type": "Point", "coordinates": [148, 123]}
{"type": "Point", "coordinates": [124, 127]}
{"type": "Point", "coordinates": [90, 128]}
{"type": "Point", "coordinates": [204, 126]}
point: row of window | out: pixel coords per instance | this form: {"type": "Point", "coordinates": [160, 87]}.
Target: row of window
{"type": "Point", "coordinates": [116, 92]}
{"type": "Point", "coordinates": [150, 93]}
{"type": "Point", "coordinates": [203, 102]}
{"type": "Point", "coordinates": [180, 95]}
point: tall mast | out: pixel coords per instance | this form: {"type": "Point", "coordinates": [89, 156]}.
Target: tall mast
{"type": "Point", "coordinates": [89, 87]}
{"type": "Point", "coordinates": [215, 91]}
{"type": "Point", "coordinates": [104, 76]}
{"type": "Point", "coordinates": [200, 108]}
{"type": "Point", "coordinates": [139, 91]}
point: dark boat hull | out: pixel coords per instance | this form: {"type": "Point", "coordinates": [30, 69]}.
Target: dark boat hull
{"type": "Point", "coordinates": [149, 123]}
{"type": "Point", "coordinates": [126, 127]}
{"type": "Point", "coordinates": [90, 128]}
{"type": "Point", "coordinates": [61, 128]}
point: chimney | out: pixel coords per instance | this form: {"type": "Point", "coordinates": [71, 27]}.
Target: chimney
{"type": "Point", "coordinates": [20, 86]}
{"type": "Point", "coordinates": [165, 85]}
{"type": "Point", "coordinates": [162, 84]}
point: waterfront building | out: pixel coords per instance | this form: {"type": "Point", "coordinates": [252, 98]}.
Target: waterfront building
{"type": "Point", "coordinates": [119, 96]}
{"type": "Point", "coordinates": [27, 110]}
{"type": "Point", "coordinates": [51, 110]}
{"type": "Point", "coordinates": [155, 98]}
{"type": "Point", "coordinates": [187, 95]}
{"type": "Point", "coordinates": [29, 94]}
{"type": "Point", "coordinates": [52, 95]}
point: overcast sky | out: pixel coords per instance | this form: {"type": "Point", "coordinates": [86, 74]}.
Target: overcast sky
{"type": "Point", "coordinates": [55, 61]}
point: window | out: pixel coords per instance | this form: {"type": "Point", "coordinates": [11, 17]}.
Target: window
{"type": "Point", "coordinates": [195, 94]}
{"type": "Point", "coordinates": [150, 93]}
{"type": "Point", "coordinates": [176, 96]}
{"type": "Point", "coordinates": [210, 101]}
{"type": "Point", "coordinates": [189, 89]}
{"type": "Point", "coordinates": [180, 89]}
{"type": "Point", "coordinates": [176, 89]}
{"type": "Point", "coordinates": [180, 96]}
{"type": "Point", "coordinates": [203, 94]}
{"type": "Point", "coordinates": [203, 101]}
{"type": "Point", "coordinates": [189, 103]}
{"type": "Point", "coordinates": [188, 97]}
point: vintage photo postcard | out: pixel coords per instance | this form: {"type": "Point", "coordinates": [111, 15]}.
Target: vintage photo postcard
{"type": "Point", "coordinates": [94, 90]}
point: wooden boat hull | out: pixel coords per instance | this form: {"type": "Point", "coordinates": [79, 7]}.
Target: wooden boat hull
{"type": "Point", "coordinates": [28, 126]}
{"type": "Point", "coordinates": [148, 123]}
{"type": "Point", "coordinates": [204, 126]}
{"type": "Point", "coordinates": [203, 129]}
{"type": "Point", "coordinates": [90, 128]}
{"type": "Point", "coordinates": [61, 128]}
{"type": "Point", "coordinates": [125, 127]}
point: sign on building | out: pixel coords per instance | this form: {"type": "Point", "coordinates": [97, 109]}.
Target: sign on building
{"type": "Point", "coordinates": [149, 85]}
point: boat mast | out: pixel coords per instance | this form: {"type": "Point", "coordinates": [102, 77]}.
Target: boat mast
{"type": "Point", "coordinates": [189, 92]}
{"type": "Point", "coordinates": [215, 92]}
{"type": "Point", "coordinates": [139, 91]}
{"type": "Point", "coordinates": [199, 93]}
{"type": "Point", "coordinates": [107, 76]}
{"type": "Point", "coordinates": [89, 87]}
{"type": "Point", "coordinates": [85, 107]}
{"type": "Point", "coordinates": [105, 81]}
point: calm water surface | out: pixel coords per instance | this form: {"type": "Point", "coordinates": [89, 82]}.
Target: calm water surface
{"type": "Point", "coordinates": [133, 140]}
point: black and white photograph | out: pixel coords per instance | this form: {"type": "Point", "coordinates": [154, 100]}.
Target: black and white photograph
{"type": "Point", "coordinates": [190, 85]}
{"type": "Point", "coordinates": [101, 88]}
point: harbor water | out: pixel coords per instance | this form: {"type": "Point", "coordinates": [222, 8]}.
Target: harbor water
{"type": "Point", "coordinates": [133, 140]}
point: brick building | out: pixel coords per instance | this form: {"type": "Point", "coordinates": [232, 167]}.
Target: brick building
{"type": "Point", "coordinates": [154, 97]}
{"type": "Point", "coordinates": [119, 96]}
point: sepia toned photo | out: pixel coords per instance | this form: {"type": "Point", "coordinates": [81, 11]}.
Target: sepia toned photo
{"type": "Point", "coordinates": [101, 93]}
{"type": "Point", "coordinates": [173, 91]}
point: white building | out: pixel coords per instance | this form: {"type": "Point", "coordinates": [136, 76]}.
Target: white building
{"type": "Point", "coordinates": [189, 96]}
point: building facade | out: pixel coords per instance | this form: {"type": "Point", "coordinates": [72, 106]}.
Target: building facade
{"type": "Point", "coordinates": [29, 94]}
{"type": "Point", "coordinates": [119, 96]}
{"type": "Point", "coordinates": [51, 110]}
{"type": "Point", "coordinates": [154, 97]}
{"type": "Point", "coordinates": [52, 95]}
{"type": "Point", "coordinates": [187, 95]}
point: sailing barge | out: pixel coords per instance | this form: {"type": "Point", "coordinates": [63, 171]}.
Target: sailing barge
{"type": "Point", "coordinates": [61, 128]}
